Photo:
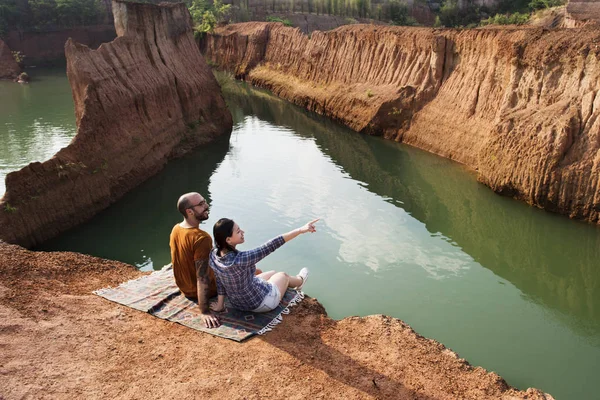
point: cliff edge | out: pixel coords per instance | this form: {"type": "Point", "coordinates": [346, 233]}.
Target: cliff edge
{"type": "Point", "coordinates": [520, 106]}
{"type": "Point", "coordinates": [93, 348]}
{"type": "Point", "coordinates": [143, 98]}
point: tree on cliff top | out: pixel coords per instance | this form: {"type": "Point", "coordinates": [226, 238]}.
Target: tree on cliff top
{"type": "Point", "coordinates": [206, 16]}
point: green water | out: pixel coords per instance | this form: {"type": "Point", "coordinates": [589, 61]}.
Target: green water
{"type": "Point", "coordinates": [404, 233]}
{"type": "Point", "coordinates": [36, 119]}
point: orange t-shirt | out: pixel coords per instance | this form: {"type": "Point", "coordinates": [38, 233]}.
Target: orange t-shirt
{"type": "Point", "coordinates": [187, 246]}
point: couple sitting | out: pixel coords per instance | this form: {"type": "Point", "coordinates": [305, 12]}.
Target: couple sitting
{"type": "Point", "coordinates": [201, 272]}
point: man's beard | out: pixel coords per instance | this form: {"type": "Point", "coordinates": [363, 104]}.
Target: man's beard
{"type": "Point", "coordinates": [200, 216]}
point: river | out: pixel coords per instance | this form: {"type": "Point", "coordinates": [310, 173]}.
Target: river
{"type": "Point", "coordinates": [509, 287]}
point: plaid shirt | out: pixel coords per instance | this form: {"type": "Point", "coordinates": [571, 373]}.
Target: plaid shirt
{"type": "Point", "coordinates": [235, 274]}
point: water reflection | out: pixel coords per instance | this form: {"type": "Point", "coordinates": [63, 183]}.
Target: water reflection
{"type": "Point", "coordinates": [552, 260]}
{"type": "Point", "coordinates": [531, 314]}
{"type": "Point", "coordinates": [404, 233]}
{"type": "Point", "coordinates": [36, 120]}
{"type": "Point", "coordinates": [136, 229]}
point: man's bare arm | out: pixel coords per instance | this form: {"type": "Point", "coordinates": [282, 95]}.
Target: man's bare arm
{"type": "Point", "coordinates": [202, 282]}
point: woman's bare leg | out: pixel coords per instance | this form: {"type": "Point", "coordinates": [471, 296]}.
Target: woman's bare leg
{"type": "Point", "coordinates": [266, 275]}
{"type": "Point", "coordinates": [284, 281]}
{"type": "Point", "coordinates": [295, 281]}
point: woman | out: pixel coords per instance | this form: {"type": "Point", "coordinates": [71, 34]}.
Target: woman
{"type": "Point", "coordinates": [235, 269]}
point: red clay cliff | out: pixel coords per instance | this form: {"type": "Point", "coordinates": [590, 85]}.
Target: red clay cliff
{"type": "Point", "coordinates": [520, 106]}
{"type": "Point", "coordinates": [93, 348]}
{"type": "Point", "coordinates": [144, 98]}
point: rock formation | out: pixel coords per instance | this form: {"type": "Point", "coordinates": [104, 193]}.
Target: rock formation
{"type": "Point", "coordinates": [581, 13]}
{"type": "Point", "coordinates": [9, 69]}
{"type": "Point", "coordinates": [520, 106]}
{"type": "Point", "coordinates": [139, 100]}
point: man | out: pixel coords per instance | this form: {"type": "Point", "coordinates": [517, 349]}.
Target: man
{"type": "Point", "coordinates": [190, 248]}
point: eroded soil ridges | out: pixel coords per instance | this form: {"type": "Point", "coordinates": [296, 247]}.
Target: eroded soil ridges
{"type": "Point", "coordinates": [93, 348]}
{"type": "Point", "coordinates": [139, 100]}
{"type": "Point", "coordinates": [520, 106]}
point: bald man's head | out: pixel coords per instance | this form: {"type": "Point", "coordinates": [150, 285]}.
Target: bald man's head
{"type": "Point", "coordinates": [193, 204]}
{"type": "Point", "coordinates": [186, 201]}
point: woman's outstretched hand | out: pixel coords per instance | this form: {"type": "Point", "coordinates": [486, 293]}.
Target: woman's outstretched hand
{"type": "Point", "coordinates": [310, 227]}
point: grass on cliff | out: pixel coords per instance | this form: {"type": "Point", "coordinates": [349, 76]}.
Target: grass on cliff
{"type": "Point", "coordinates": [285, 22]}
{"type": "Point", "coordinates": [9, 209]}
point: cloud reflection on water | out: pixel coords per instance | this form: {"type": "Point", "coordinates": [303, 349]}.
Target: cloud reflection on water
{"type": "Point", "coordinates": [370, 232]}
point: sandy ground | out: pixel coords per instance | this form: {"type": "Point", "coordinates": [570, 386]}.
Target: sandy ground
{"type": "Point", "coordinates": [58, 340]}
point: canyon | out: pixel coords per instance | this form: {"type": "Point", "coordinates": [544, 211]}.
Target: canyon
{"type": "Point", "coordinates": [139, 100]}
{"type": "Point", "coordinates": [518, 105]}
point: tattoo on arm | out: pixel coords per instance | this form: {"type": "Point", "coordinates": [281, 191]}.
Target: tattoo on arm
{"type": "Point", "coordinates": [202, 280]}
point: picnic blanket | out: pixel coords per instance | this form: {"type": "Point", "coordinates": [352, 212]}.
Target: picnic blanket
{"type": "Point", "coordinates": [158, 295]}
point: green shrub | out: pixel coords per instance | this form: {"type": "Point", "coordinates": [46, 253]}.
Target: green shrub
{"type": "Point", "coordinates": [9, 209]}
{"type": "Point", "coordinates": [206, 17]}
{"type": "Point", "coordinates": [285, 22]}
{"type": "Point", "coordinates": [541, 4]}
{"type": "Point", "coordinates": [451, 15]}
{"type": "Point", "coordinates": [506, 19]}
{"type": "Point", "coordinates": [399, 14]}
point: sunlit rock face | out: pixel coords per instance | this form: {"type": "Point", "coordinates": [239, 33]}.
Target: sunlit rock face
{"type": "Point", "coordinates": [139, 100]}
{"type": "Point", "coordinates": [520, 106]}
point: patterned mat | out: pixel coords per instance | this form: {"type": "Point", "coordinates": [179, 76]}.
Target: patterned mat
{"type": "Point", "coordinates": [158, 295]}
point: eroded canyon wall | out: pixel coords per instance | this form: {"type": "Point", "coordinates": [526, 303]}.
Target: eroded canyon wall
{"type": "Point", "coordinates": [9, 69]}
{"type": "Point", "coordinates": [520, 106]}
{"type": "Point", "coordinates": [139, 100]}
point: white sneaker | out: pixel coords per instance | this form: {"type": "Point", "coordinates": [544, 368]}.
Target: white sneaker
{"type": "Point", "coordinates": [304, 275]}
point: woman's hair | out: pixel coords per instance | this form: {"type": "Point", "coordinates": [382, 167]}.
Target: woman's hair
{"type": "Point", "coordinates": [221, 231]}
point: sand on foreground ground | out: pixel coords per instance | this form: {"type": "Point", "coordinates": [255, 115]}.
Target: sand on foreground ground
{"type": "Point", "coordinates": [58, 340]}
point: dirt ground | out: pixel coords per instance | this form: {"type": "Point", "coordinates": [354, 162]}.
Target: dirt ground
{"type": "Point", "coordinates": [58, 340]}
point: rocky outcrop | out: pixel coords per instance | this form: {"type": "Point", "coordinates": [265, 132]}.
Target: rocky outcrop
{"type": "Point", "coordinates": [519, 106]}
{"type": "Point", "coordinates": [9, 69]}
{"type": "Point", "coordinates": [48, 47]}
{"type": "Point", "coordinates": [139, 100]}
{"type": "Point", "coordinates": [581, 13]}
